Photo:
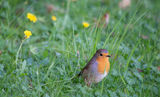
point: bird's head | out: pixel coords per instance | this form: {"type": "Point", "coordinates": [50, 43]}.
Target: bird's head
{"type": "Point", "coordinates": [102, 54]}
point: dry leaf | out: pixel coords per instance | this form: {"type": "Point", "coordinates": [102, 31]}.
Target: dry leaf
{"type": "Point", "coordinates": [144, 37]}
{"type": "Point", "coordinates": [106, 18]}
{"type": "Point", "coordinates": [49, 8]}
{"type": "Point", "coordinates": [139, 70]}
{"type": "Point", "coordinates": [104, 21]}
{"type": "Point", "coordinates": [124, 4]}
{"type": "Point", "coordinates": [77, 53]}
{"type": "Point", "coordinates": [158, 68]}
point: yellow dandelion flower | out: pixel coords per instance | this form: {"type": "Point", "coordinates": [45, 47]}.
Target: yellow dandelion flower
{"type": "Point", "coordinates": [31, 17]}
{"type": "Point", "coordinates": [54, 18]}
{"type": "Point", "coordinates": [85, 24]}
{"type": "Point", "coordinates": [27, 33]}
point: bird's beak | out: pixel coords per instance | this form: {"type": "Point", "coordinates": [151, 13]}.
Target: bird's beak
{"type": "Point", "coordinates": [108, 56]}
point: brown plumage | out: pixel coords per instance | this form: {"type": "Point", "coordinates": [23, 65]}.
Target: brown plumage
{"type": "Point", "coordinates": [97, 68]}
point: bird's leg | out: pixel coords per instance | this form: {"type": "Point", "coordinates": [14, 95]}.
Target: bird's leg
{"type": "Point", "coordinates": [88, 83]}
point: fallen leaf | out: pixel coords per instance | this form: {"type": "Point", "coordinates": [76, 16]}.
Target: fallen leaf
{"type": "Point", "coordinates": [49, 8]}
{"type": "Point", "coordinates": [144, 36]}
{"type": "Point", "coordinates": [107, 18]}
{"type": "Point", "coordinates": [104, 21]}
{"type": "Point", "coordinates": [30, 84]}
{"type": "Point", "coordinates": [139, 70]}
{"type": "Point", "coordinates": [158, 68]}
{"type": "Point", "coordinates": [77, 53]}
{"type": "Point", "coordinates": [124, 4]}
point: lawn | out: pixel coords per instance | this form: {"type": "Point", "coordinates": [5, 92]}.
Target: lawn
{"type": "Point", "coordinates": [46, 64]}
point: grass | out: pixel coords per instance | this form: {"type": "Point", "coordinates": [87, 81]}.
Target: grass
{"type": "Point", "coordinates": [48, 60]}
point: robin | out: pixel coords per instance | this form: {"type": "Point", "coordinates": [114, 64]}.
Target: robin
{"type": "Point", "coordinates": [97, 68]}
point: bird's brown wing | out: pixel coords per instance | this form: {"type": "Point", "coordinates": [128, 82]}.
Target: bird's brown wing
{"type": "Point", "coordinates": [85, 68]}
{"type": "Point", "coordinates": [92, 61]}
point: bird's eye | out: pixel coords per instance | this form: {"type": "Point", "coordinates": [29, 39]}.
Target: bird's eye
{"type": "Point", "coordinates": [101, 55]}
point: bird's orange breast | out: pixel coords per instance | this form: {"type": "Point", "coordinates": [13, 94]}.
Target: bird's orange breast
{"type": "Point", "coordinates": [103, 65]}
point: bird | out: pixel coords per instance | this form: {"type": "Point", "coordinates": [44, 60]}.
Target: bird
{"type": "Point", "coordinates": [97, 68]}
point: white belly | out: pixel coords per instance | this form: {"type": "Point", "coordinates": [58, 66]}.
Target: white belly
{"type": "Point", "coordinates": [99, 77]}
